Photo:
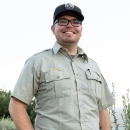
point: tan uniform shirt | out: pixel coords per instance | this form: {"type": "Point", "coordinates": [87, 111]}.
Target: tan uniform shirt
{"type": "Point", "coordinates": [69, 92]}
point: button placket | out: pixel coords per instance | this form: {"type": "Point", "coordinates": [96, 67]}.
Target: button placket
{"type": "Point", "coordinates": [79, 89]}
{"type": "Point", "coordinates": [79, 94]}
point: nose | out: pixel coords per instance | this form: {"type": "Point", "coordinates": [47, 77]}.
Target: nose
{"type": "Point", "coordinates": [69, 24]}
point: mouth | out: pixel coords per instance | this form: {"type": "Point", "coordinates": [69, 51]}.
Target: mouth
{"type": "Point", "coordinates": [69, 32]}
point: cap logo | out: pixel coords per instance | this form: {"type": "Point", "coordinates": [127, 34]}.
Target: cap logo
{"type": "Point", "coordinates": [69, 6]}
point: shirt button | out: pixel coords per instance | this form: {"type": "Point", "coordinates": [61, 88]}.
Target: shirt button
{"type": "Point", "coordinates": [76, 74]}
{"type": "Point", "coordinates": [82, 123]}
{"type": "Point", "coordinates": [58, 77]}
{"type": "Point", "coordinates": [81, 105]}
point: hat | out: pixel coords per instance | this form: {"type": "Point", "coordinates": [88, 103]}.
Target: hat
{"type": "Point", "coordinates": [67, 8]}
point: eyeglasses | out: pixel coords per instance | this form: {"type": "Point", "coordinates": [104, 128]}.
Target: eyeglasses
{"type": "Point", "coordinates": [65, 22]}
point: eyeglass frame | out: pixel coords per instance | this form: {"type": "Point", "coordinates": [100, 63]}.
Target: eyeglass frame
{"type": "Point", "coordinates": [57, 21]}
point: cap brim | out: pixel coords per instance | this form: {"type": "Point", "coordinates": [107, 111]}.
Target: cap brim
{"type": "Point", "coordinates": [79, 15]}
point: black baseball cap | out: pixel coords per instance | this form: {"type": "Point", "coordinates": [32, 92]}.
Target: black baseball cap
{"type": "Point", "coordinates": [61, 9]}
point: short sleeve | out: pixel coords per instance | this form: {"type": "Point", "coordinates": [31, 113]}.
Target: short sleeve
{"type": "Point", "coordinates": [106, 99]}
{"type": "Point", "coordinates": [28, 81]}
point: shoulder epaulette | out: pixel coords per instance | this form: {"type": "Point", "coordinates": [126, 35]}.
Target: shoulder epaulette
{"type": "Point", "coordinates": [42, 51]}
{"type": "Point", "coordinates": [92, 60]}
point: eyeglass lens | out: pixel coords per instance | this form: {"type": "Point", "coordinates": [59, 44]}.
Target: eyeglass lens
{"type": "Point", "coordinates": [65, 22]}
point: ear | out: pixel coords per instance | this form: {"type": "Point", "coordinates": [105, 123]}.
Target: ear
{"type": "Point", "coordinates": [81, 30]}
{"type": "Point", "coordinates": [52, 29]}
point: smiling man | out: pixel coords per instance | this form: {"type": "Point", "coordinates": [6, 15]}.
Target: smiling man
{"type": "Point", "coordinates": [70, 91]}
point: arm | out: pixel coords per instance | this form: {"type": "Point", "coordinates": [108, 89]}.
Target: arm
{"type": "Point", "coordinates": [105, 120]}
{"type": "Point", "coordinates": [17, 110]}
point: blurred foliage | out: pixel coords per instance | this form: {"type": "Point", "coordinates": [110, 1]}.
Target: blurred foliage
{"type": "Point", "coordinates": [7, 124]}
{"type": "Point", "coordinates": [31, 111]}
{"type": "Point", "coordinates": [126, 110]}
{"type": "Point", "coordinates": [112, 110]}
{"type": "Point", "coordinates": [4, 104]}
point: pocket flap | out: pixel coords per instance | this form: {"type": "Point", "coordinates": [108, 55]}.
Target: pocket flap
{"type": "Point", "coordinates": [56, 75]}
{"type": "Point", "coordinates": [93, 75]}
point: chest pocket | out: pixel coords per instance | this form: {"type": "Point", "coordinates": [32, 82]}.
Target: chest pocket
{"type": "Point", "coordinates": [94, 83]}
{"type": "Point", "coordinates": [58, 83]}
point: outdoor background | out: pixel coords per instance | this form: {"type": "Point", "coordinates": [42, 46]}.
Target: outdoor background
{"type": "Point", "coordinates": [25, 29]}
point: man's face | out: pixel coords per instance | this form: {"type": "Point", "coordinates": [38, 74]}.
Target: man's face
{"type": "Point", "coordinates": [67, 34]}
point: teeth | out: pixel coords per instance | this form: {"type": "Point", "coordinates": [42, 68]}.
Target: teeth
{"type": "Point", "coordinates": [68, 32]}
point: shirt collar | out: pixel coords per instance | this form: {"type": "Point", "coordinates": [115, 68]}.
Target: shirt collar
{"type": "Point", "coordinates": [82, 53]}
{"type": "Point", "coordinates": [57, 47]}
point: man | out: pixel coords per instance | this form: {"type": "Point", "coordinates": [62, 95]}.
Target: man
{"type": "Point", "coordinates": [70, 91]}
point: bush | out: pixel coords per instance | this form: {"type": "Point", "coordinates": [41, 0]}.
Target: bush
{"type": "Point", "coordinates": [7, 124]}
{"type": "Point", "coordinates": [4, 104]}
{"type": "Point", "coordinates": [126, 111]}
{"type": "Point", "coordinates": [112, 110]}
{"type": "Point", "coordinates": [31, 111]}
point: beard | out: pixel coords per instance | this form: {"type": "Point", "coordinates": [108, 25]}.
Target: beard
{"type": "Point", "coordinates": [68, 39]}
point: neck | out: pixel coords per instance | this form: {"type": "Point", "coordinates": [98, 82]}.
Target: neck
{"type": "Point", "coordinates": [71, 47]}
{"type": "Point", "coordinates": [73, 51]}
